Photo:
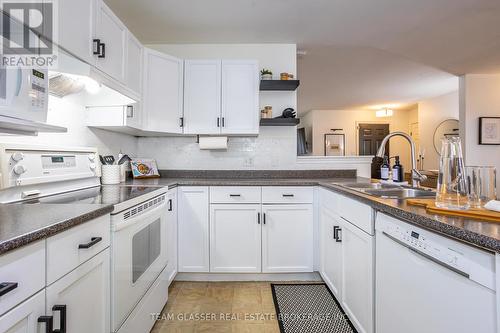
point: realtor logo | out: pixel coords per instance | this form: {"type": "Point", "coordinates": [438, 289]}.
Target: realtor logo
{"type": "Point", "coordinates": [28, 33]}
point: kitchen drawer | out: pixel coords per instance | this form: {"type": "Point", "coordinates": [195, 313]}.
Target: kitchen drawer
{"type": "Point", "coordinates": [356, 213]}
{"type": "Point", "coordinates": [235, 194]}
{"type": "Point", "coordinates": [24, 267]}
{"type": "Point", "coordinates": [287, 194]}
{"type": "Point", "coordinates": [69, 249]}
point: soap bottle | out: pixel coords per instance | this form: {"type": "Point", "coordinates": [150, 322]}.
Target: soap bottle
{"type": "Point", "coordinates": [385, 168]}
{"type": "Point", "coordinates": [397, 171]}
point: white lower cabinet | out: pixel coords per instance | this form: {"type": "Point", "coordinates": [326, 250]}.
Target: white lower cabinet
{"type": "Point", "coordinates": [235, 238]}
{"type": "Point", "coordinates": [287, 238]}
{"type": "Point", "coordinates": [330, 251]}
{"type": "Point", "coordinates": [193, 237]}
{"type": "Point", "coordinates": [80, 300]}
{"type": "Point", "coordinates": [358, 276]}
{"type": "Point", "coordinates": [172, 234]}
{"type": "Point", "coordinates": [24, 317]}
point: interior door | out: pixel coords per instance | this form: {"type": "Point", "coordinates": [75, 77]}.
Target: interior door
{"type": "Point", "coordinates": [370, 136]}
{"type": "Point", "coordinates": [85, 294]}
{"type": "Point", "coordinates": [202, 97]}
{"type": "Point", "coordinates": [240, 97]}
{"type": "Point", "coordinates": [76, 27]}
{"type": "Point", "coordinates": [24, 317]}
{"type": "Point", "coordinates": [235, 238]}
{"type": "Point", "coordinates": [331, 251]}
{"type": "Point", "coordinates": [112, 33]}
{"type": "Point", "coordinates": [162, 92]}
{"type": "Point", "coordinates": [287, 238]}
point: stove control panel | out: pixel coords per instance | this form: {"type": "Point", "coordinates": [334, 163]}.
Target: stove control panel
{"type": "Point", "coordinates": [28, 165]}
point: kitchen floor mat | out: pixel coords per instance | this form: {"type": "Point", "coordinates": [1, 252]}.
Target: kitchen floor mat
{"type": "Point", "coordinates": [309, 308]}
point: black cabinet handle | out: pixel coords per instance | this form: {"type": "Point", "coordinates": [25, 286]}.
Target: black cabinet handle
{"type": "Point", "coordinates": [62, 318]}
{"type": "Point", "coordinates": [182, 122]}
{"type": "Point", "coordinates": [6, 287]}
{"type": "Point", "coordinates": [264, 218]}
{"type": "Point", "coordinates": [288, 195]}
{"type": "Point", "coordinates": [169, 205]}
{"type": "Point", "coordinates": [223, 121]}
{"type": "Point", "coordinates": [218, 122]}
{"type": "Point", "coordinates": [102, 53]}
{"type": "Point", "coordinates": [235, 195]}
{"type": "Point", "coordinates": [93, 241]}
{"type": "Point", "coordinates": [49, 323]}
{"type": "Point", "coordinates": [258, 218]}
{"type": "Point", "coordinates": [97, 46]}
{"type": "Point", "coordinates": [336, 236]}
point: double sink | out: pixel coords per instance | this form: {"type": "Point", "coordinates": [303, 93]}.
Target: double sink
{"type": "Point", "coordinates": [390, 191]}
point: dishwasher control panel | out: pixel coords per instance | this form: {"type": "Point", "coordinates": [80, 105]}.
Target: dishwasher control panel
{"type": "Point", "coordinates": [415, 240]}
{"type": "Point", "coordinates": [468, 261]}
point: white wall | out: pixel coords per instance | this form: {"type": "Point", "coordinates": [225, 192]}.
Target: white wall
{"type": "Point", "coordinates": [479, 97]}
{"type": "Point", "coordinates": [69, 112]}
{"type": "Point", "coordinates": [324, 120]}
{"type": "Point", "coordinates": [431, 113]}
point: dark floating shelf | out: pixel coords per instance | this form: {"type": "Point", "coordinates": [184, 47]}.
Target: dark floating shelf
{"type": "Point", "coordinates": [279, 122]}
{"type": "Point", "coordinates": [279, 85]}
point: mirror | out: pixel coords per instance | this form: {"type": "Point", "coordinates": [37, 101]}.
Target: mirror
{"type": "Point", "coordinates": [445, 129]}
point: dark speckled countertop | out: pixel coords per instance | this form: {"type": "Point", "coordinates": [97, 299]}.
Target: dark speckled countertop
{"type": "Point", "coordinates": [482, 234]}
{"type": "Point", "coordinates": [23, 224]}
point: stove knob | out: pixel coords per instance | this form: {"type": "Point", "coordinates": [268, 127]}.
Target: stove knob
{"type": "Point", "coordinates": [91, 157]}
{"type": "Point", "coordinates": [92, 166]}
{"type": "Point", "coordinates": [17, 156]}
{"type": "Point", "coordinates": [19, 169]}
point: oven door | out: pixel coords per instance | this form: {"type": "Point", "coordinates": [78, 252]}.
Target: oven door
{"type": "Point", "coordinates": [139, 254]}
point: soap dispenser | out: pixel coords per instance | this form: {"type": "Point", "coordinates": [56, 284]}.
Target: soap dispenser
{"type": "Point", "coordinates": [397, 171]}
{"type": "Point", "coordinates": [385, 168]}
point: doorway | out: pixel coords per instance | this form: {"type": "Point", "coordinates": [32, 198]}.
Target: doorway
{"type": "Point", "coordinates": [370, 136]}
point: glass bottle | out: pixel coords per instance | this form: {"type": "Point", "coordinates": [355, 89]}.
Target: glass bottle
{"type": "Point", "coordinates": [452, 186]}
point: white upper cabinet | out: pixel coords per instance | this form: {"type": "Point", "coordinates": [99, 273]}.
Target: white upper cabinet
{"type": "Point", "coordinates": [76, 27]}
{"type": "Point", "coordinates": [162, 92]}
{"type": "Point", "coordinates": [110, 42]}
{"type": "Point", "coordinates": [202, 97]}
{"type": "Point", "coordinates": [133, 70]}
{"type": "Point", "coordinates": [240, 97]}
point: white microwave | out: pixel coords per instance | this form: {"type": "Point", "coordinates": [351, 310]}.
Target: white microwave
{"type": "Point", "coordinates": [24, 93]}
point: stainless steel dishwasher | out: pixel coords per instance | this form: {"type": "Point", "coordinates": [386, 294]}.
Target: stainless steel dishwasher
{"type": "Point", "coordinates": [432, 284]}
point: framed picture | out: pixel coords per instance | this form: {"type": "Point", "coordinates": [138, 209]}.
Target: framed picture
{"type": "Point", "coordinates": [334, 144]}
{"type": "Point", "coordinates": [489, 130]}
{"type": "Point", "coordinates": [144, 168]}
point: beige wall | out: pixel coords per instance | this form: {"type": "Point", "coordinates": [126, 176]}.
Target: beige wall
{"type": "Point", "coordinates": [324, 120]}
{"type": "Point", "coordinates": [431, 113]}
{"type": "Point", "coordinates": [479, 97]}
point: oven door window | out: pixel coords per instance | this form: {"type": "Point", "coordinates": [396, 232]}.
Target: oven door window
{"type": "Point", "coordinates": [146, 247]}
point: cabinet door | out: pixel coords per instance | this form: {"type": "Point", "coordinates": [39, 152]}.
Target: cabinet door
{"type": "Point", "coordinates": [113, 35]}
{"type": "Point", "coordinates": [192, 225]}
{"type": "Point", "coordinates": [76, 19]}
{"type": "Point", "coordinates": [85, 293]}
{"type": "Point", "coordinates": [287, 238]}
{"type": "Point", "coordinates": [172, 233]}
{"type": "Point", "coordinates": [235, 238]}
{"type": "Point", "coordinates": [202, 96]}
{"type": "Point", "coordinates": [240, 97]}
{"type": "Point", "coordinates": [24, 317]}
{"type": "Point", "coordinates": [357, 276]}
{"type": "Point", "coordinates": [162, 92]}
{"type": "Point", "coordinates": [134, 62]}
{"type": "Point", "coordinates": [330, 251]}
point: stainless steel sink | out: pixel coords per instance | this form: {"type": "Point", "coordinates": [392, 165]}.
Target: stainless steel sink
{"type": "Point", "coordinates": [363, 186]}
{"type": "Point", "coordinates": [401, 193]}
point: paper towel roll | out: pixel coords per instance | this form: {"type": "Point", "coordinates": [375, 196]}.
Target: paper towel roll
{"type": "Point", "coordinates": [213, 142]}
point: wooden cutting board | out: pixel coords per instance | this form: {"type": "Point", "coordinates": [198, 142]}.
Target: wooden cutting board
{"type": "Point", "coordinates": [472, 213]}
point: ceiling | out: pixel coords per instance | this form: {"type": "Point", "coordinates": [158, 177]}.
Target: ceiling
{"type": "Point", "coordinates": [357, 51]}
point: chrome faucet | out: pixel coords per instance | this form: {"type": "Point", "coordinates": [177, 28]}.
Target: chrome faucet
{"type": "Point", "coordinates": [416, 176]}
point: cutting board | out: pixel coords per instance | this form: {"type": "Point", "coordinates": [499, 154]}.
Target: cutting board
{"type": "Point", "coordinates": [472, 213]}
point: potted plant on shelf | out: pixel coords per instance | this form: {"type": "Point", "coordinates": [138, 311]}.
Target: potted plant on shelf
{"type": "Point", "coordinates": [266, 74]}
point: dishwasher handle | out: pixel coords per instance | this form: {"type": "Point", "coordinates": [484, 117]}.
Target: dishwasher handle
{"type": "Point", "coordinates": [426, 256]}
